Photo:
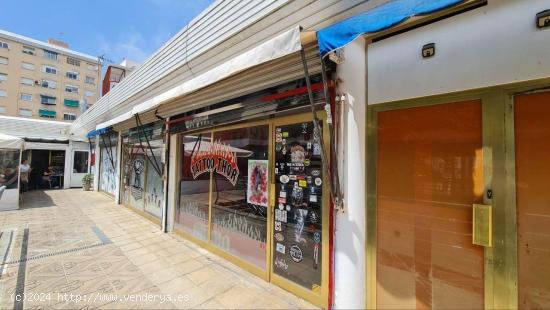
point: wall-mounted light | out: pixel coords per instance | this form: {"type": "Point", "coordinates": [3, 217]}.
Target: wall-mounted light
{"type": "Point", "coordinates": [428, 50]}
{"type": "Point", "coordinates": [543, 19]}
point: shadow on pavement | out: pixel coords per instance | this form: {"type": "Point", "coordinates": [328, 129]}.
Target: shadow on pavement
{"type": "Point", "coordinates": [36, 199]}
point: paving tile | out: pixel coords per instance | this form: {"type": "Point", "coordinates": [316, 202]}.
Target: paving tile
{"type": "Point", "coordinates": [142, 268]}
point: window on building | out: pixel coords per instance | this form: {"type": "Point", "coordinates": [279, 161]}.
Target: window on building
{"type": "Point", "coordinates": [46, 113]}
{"type": "Point", "coordinates": [71, 103]}
{"type": "Point", "coordinates": [26, 81]}
{"type": "Point", "coordinates": [3, 93]}
{"type": "Point", "coordinates": [71, 89]}
{"type": "Point", "coordinates": [28, 66]}
{"type": "Point", "coordinates": [73, 61]}
{"type": "Point", "coordinates": [28, 50]}
{"type": "Point", "coordinates": [90, 80]}
{"type": "Point", "coordinates": [50, 69]}
{"type": "Point", "coordinates": [26, 97]}
{"type": "Point", "coordinates": [3, 77]}
{"type": "Point", "coordinates": [4, 45]}
{"type": "Point", "coordinates": [69, 116]}
{"type": "Point", "coordinates": [89, 93]}
{"type": "Point", "coordinates": [72, 75]}
{"type": "Point", "coordinates": [25, 112]}
{"type": "Point", "coordinates": [2, 110]}
{"type": "Point", "coordinates": [92, 67]}
{"type": "Point", "coordinates": [50, 55]}
{"type": "Point", "coordinates": [3, 60]}
{"type": "Point", "coordinates": [47, 100]}
{"type": "Point", "coordinates": [49, 84]}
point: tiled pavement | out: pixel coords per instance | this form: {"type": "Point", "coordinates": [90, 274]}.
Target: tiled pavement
{"type": "Point", "coordinates": [83, 251]}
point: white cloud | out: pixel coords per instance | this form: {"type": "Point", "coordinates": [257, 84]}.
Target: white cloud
{"type": "Point", "coordinates": [130, 44]}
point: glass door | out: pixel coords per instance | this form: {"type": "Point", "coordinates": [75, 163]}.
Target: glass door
{"type": "Point", "coordinates": [299, 221]}
{"type": "Point", "coordinates": [80, 168]}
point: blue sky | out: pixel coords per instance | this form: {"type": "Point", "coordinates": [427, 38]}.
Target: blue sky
{"type": "Point", "coordinates": [117, 28]}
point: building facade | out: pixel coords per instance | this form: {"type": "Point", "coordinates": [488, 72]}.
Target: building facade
{"type": "Point", "coordinates": [45, 80]}
{"type": "Point", "coordinates": [428, 123]}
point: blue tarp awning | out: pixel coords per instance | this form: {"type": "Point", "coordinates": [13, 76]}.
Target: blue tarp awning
{"type": "Point", "coordinates": [379, 18]}
{"type": "Point", "coordinates": [96, 132]}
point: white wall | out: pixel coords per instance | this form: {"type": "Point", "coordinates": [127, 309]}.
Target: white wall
{"type": "Point", "coordinates": [69, 157]}
{"type": "Point", "coordinates": [491, 45]}
{"type": "Point", "coordinates": [349, 244]}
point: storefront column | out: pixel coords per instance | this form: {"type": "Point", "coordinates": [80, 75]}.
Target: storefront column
{"type": "Point", "coordinates": [173, 183]}
{"type": "Point", "coordinates": [96, 166]}
{"type": "Point", "coordinates": [69, 157]}
{"type": "Point", "coordinates": [165, 172]}
{"type": "Point", "coordinates": [117, 168]}
{"type": "Point", "coordinates": [349, 244]}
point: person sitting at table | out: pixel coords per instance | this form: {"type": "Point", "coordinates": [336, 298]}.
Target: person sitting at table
{"type": "Point", "coordinates": [9, 178]}
{"type": "Point", "coordinates": [47, 178]}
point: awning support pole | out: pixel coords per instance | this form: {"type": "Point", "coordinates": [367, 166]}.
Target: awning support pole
{"type": "Point", "coordinates": [109, 150]}
{"type": "Point", "coordinates": [335, 181]}
{"type": "Point", "coordinates": [317, 134]}
{"type": "Point", "coordinates": [153, 162]}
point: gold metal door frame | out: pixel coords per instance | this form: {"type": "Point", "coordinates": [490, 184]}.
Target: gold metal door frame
{"type": "Point", "coordinates": [493, 178]}
{"type": "Point", "coordinates": [321, 298]}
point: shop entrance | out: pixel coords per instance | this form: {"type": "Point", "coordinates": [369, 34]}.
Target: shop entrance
{"type": "Point", "coordinates": [254, 194]}
{"type": "Point", "coordinates": [433, 165]}
{"type": "Point", "coordinates": [428, 172]}
{"type": "Point", "coordinates": [532, 152]}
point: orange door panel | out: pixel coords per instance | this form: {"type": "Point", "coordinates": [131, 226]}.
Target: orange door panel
{"type": "Point", "coordinates": [532, 130]}
{"type": "Point", "coordinates": [429, 173]}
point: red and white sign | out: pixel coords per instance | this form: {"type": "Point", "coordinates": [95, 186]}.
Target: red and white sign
{"type": "Point", "coordinates": [220, 158]}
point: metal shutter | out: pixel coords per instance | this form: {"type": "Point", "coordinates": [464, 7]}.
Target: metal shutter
{"type": "Point", "coordinates": [267, 75]}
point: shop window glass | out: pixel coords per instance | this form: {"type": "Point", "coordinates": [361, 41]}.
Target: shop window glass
{"type": "Point", "coordinates": [192, 211]}
{"type": "Point", "coordinates": [9, 162]}
{"type": "Point", "coordinates": [80, 164]}
{"type": "Point", "coordinates": [154, 188]}
{"type": "Point", "coordinates": [240, 192]}
{"type": "Point", "coordinates": [107, 166]}
{"type": "Point", "coordinates": [143, 187]}
{"type": "Point", "coordinates": [297, 227]}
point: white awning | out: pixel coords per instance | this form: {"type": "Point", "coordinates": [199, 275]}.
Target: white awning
{"type": "Point", "coordinates": [116, 120]}
{"type": "Point", "coordinates": [284, 44]}
{"type": "Point", "coordinates": [10, 142]}
{"type": "Point", "coordinates": [35, 129]}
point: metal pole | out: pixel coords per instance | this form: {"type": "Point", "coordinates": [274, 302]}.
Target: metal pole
{"type": "Point", "coordinates": [316, 126]}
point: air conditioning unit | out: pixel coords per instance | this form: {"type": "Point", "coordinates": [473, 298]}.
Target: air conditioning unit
{"type": "Point", "coordinates": [36, 82]}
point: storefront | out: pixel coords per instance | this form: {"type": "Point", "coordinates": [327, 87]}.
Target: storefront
{"type": "Point", "coordinates": [108, 162]}
{"type": "Point", "coordinates": [254, 191]}
{"type": "Point", "coordinates": [457, 165]}
{"type": "Point", "coordinates": [143, 169]}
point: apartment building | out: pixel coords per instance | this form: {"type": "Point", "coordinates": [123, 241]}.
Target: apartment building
{"type": "Point", "coordinates": [45, 80]}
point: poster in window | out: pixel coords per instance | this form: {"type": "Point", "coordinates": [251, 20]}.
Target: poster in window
{"type": "Point", "coordinates": [256, 193]}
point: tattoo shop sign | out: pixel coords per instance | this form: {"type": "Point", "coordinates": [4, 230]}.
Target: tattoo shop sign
{"type": "Point", "coordinates": [219, 158]}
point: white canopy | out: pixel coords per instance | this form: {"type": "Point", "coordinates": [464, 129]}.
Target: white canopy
{"type": "Point", "coordinates": [11, 142]}
{"type": "Point", "coordinates": [282, 45]}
